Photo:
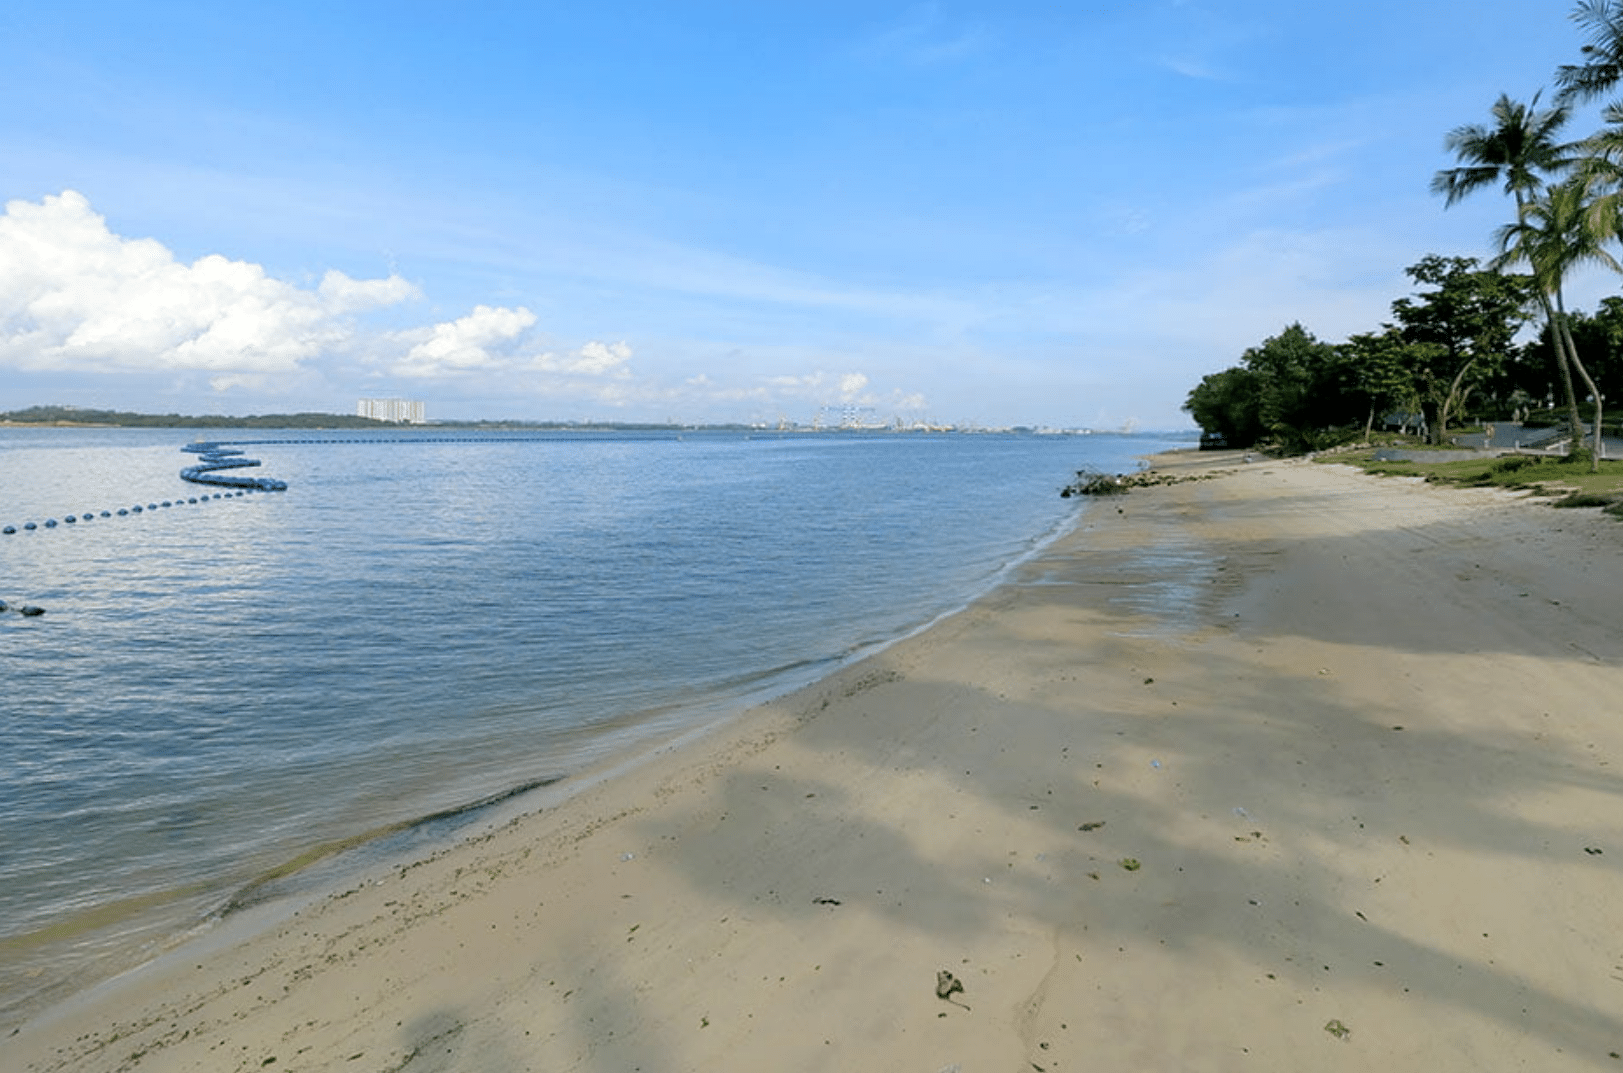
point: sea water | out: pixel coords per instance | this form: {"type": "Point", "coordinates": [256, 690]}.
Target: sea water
{"type": "Point", "coordinates": [426, 620]}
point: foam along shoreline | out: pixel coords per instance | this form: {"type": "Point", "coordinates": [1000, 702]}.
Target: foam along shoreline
{"type": "Point", "coordinates": [1293, 768]}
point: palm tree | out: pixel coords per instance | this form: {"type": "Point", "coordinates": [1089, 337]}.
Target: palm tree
{"type": "Point", "coordinates": [1565, 228]}
{"type": "Point", "coordinates": [1602, 21]}
{"type": "Point", "coordinates": [1521, 149]}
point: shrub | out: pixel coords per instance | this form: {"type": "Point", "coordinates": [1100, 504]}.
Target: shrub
{"type": "Point", "coordinates": [1584, 499]}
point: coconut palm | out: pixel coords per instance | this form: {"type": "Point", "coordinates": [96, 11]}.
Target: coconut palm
{"type": "Point", "coordinates": [1564, 228]}
{"type": "Point", "coordinates": [1602, 69]}
{"type": "Point", "coordinates": [1521, 149]}
{"type": "Point", "coordinates": [1601, 160]}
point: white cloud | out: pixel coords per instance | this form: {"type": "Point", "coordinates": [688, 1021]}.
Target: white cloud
{"type": "Point", "coordinates": [490, 342]}
{"type": "Point", "coordinates": [77, 298]}
{"type": "Point", "coordinates": [822, 387]}
{"type": "Point", "coordinates": [593, 359]}
{"type": "Point", "coordinates": [343, 294]}
{"type": "Point", "coordinates": [238, 381]}
{"type": "Point", "coordinates": [477, 341]}
{"type": "Point", "coordinates": [74, 296]}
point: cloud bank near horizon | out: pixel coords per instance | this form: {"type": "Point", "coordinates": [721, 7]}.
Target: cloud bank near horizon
{"type": "Point", "coordinates": [78, 298]}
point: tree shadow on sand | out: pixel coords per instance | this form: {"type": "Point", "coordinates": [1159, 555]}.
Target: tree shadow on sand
{"type": "Point", "coordinates": [1288, 829]}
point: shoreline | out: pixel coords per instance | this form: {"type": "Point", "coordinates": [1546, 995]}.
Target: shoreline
{"type": "Point", "coordinates": [1230, 763]}
{"type": "Point", "coordinates": [201, 914]}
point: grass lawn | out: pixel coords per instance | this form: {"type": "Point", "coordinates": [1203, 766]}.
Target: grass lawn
{"type": "Point", "coordinates": [1573, 483]}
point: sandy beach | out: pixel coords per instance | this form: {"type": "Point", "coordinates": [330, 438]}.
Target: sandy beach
{"type": "Point", "coordinates": [1289, 768]}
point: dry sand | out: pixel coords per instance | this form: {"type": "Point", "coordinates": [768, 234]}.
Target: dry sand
{"type": "Point", "coordinates": [1288, 769]}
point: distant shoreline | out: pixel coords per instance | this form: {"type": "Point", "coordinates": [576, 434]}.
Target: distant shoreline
{"type": "Point", "coordinates": [82, 417]}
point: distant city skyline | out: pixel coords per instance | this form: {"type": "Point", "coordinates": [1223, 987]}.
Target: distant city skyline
{"type": "Point", "coordinates": [966, 213]}
{"type": "Point", "coordinates": [403, 411]}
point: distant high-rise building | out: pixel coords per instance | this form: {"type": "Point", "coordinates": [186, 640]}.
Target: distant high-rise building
{"type": "Point", "coordinates": [400, 411]}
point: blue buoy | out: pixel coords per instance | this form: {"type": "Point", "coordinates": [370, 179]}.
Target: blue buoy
{"type": "Point", "coordinates": [70, 519]}
{"type": "Point", "coordinates": [30, 525]}
{"type": "Point", "coordinates": [214, 455]}
{"type": "Point", "coordinates": [104, 514]}
{"type": "Point", "coordinates": [136, 509]}
{"type": "Point", "coordinates": [152, 506]}
{"type": "Point", "coordinates": [50, 523]}
{"type": "Point", "coordinates": [8, 530]}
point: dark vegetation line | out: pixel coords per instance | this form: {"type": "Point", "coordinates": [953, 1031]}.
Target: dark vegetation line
{"type": "Point", "coordinates": [81, 417]}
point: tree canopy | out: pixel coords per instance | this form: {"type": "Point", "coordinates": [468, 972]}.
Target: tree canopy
{"type": "Point", "coordinates": [1449, 341]}
{"type": "Point", "coordinates": [1451, 347]}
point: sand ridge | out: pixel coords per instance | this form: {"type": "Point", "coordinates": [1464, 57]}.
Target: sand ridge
{"type": "Point", "coordinates": [1291, 768]}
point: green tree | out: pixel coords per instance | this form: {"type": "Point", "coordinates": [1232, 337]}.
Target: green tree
{"type": "Point", "coordinates": [1298, 393]}
{"type": "Point", "coordinates": [1598, 339]}
{"type": "Point", "coordinates": [1459, 333]}
{"type": "Point", "coordinates": [1290, 388]}
{"type": "Point", "coordinates": [1522, 149]}
{"type": "Point", "coordinates": [1562, 230]}
{"type": "Point", "coordinates": [1228, 403]}
{"type": "Point", "coordinates": [1380, 367]}
{"type": "Point", "coordinates": [1602, 347]}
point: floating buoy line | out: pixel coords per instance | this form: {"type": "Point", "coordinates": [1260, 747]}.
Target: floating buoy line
{"type": "Point", "coordinates": [212, 457]}
{"type": "Point", "coordinates": [216, 456]}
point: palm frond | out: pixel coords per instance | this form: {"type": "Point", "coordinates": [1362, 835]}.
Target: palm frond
{"type": "Point", "coordinates": [1520, 148]}
{"type": "Point", "coordinates": [1567, 227]}
{"type": "Point", "coordinates": [1456, 183]}
{"type": "Point", "coordinates": [1602, 22]}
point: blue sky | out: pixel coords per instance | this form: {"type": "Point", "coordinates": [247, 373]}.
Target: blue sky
{"type": "Point", "coordinates": [1001, 213]}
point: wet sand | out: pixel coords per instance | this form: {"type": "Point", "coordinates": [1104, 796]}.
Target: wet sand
{"type": "Point", "coordinates": [1290, 768]}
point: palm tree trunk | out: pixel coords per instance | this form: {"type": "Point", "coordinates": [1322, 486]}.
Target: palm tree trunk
{"type": "Point", "coordinates": [1454, 401]}
{"type": "Point", "coordinates": [1558, 339]}
{"type": "Point", "coordinates": [1594, 392]}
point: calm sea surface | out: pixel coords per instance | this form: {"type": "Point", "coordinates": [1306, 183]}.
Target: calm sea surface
{"type": "Point", "coordinates": [422, 622]}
